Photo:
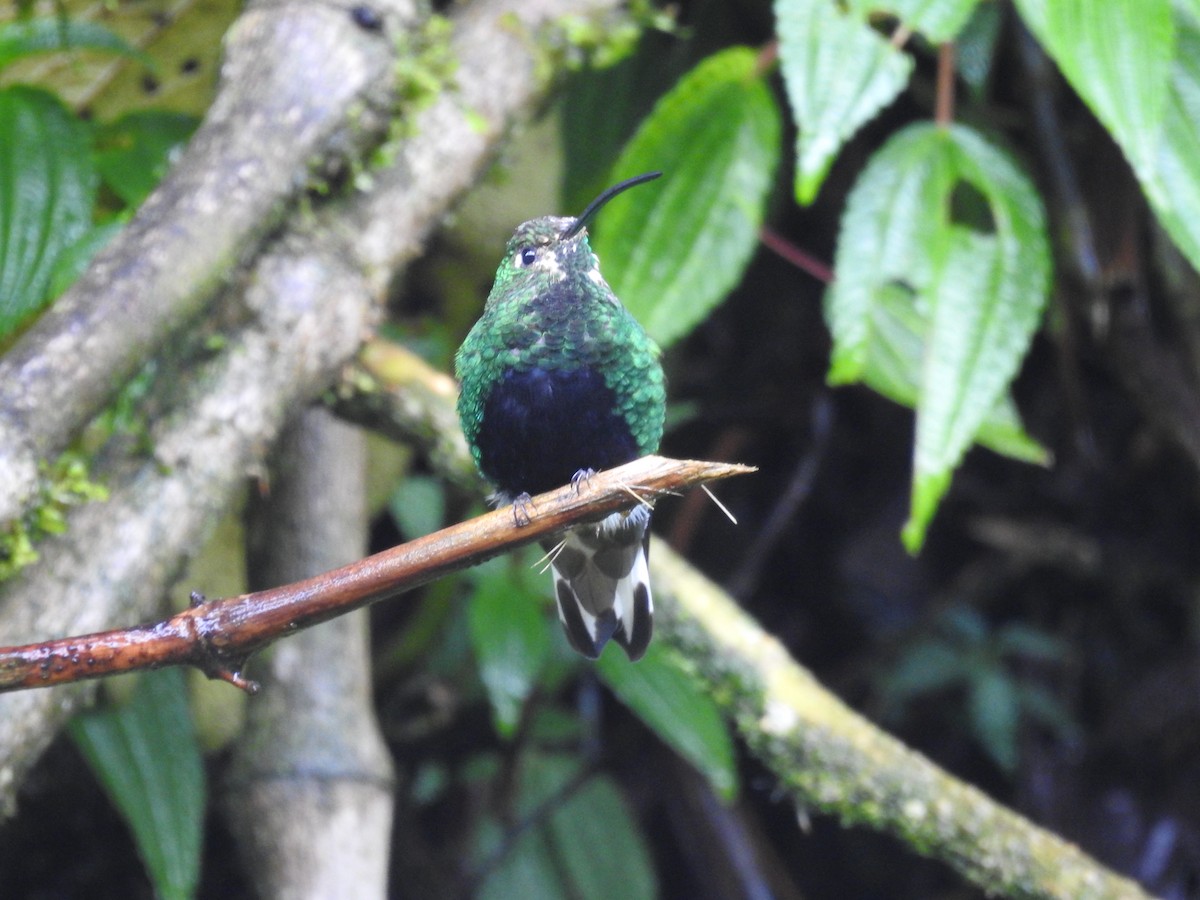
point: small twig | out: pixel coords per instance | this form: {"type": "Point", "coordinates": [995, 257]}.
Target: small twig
{"type": "Point", "coordinates": [900, 36]}
{"type": "Point", "coordinates": [217, 636]}
{"type": "Point", "coordinates": [944, 109]}
{"type": "Point", "coordinates": [789, 252]}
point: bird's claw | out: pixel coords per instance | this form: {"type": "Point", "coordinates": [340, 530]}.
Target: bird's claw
{"type": "Point", "coordinates": [522, 505]}
{"type": "Point", "coordinates": [580, 478]}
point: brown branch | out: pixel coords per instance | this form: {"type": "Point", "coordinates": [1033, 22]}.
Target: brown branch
{"type": "Point", "coordinates": [217, 636]}
{"type": "Point", "coordinates": [944, 111]}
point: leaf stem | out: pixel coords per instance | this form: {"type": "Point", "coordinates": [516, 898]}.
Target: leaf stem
{"type": "Point", "coordinates": [944, 108]}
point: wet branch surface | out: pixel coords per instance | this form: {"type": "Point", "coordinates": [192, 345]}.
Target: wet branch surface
{"type": "Point", "coordinates": [217, 636]}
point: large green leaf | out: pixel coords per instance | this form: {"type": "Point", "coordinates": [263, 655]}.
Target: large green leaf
{"type": "Point", "coordinates": [511, 642]}
{"type": "Point", "coordinates": [47, 35]}
{"type": "Point", "coordinates": [586, 843]}
{"type": "Point", "coordinates": [672, 704]}
{"type": "Point", "coordinates": [47, 188]}
{"type": "Point", "coordinates": [673, 249]}
{"type": "Point", "coordinates": [1117, 56]}
{"type": "Point", "coordinates": [145, 755]}
{"type": "Point", "coordinates": [839, 72]}
{"type": "Point", "coordinates": [943, 269]}
{"type": "Point", "coordinates": [599, 111]}
{"type": "Point", "coordinates": [1179, 155]}
{"type": "Point", "coordinates": [898, 327]}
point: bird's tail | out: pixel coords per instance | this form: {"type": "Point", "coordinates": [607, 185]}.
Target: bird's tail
{"type": "Point", "coordinates": [602, 584]}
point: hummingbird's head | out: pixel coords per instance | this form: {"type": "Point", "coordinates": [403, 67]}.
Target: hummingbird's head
{"type": "Point", "coordinates": [552, 247]}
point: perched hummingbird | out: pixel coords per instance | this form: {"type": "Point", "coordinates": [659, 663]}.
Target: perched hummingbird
{"type": "Point", "coordinates": [559, 381]}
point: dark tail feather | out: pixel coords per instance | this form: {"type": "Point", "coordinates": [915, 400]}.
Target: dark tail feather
{"type": "Point", "coordinates": [602, 585]}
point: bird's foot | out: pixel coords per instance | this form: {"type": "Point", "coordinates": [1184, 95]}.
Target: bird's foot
{"type": "Point", "coordinates": [580, 478]}
{"type": "Point", "coordinates": [522, 505]}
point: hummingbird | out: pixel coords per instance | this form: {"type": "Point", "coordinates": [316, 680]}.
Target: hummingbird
{"type": "Point", "coordinates": [558, 381]}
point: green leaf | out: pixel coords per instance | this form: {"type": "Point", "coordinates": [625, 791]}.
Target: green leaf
{"type": "Point", "coordinates": [145, 755]}
{"type": "Point", "coordinates": [600, 109]}
{"type": "Point", "coordinates": [1139, 71]}
{"type": "Point", "coordinates": [1179, 156]}
{"type": "Point", "coordinates": [1017, 639]}
{"type": "Point", "coordinates": [839, 72]}
{"type": "Point", "coordinates": [685, 717]}
{"type": "Point", "coordinates": [975, 46]}
{"type": "Point", "coordinates": [72, 260]}
{"type": "Point", "coordinates": [135, 151]}
{"type": "Point", "coordinates": [995, 714]}
{"type": "Point", "coordinates": [585, 843]}
{"type": "Point", "coordinates": [418, 505]}
{"type": "Point", "coordinates": [47, 189]}
{"type": "Point", "coordinates": [48, 35]}
{"type": "Point", "coordinates": [1039, 705]}
{"type": "Point", "coordinates": [943, 270]}
{"type": "Point", "coordinates": [673, 249]}
{"type": "Point", "coordinates": [594, 834]}
{"type": "Point", "coordinates": [1117, 56]}
{"type": "Point", "coordinates": [930, 664]}
{"type": "Point", "coordinates": [511, 642]}
{"type": "Point", "coordinates": [893, 367]}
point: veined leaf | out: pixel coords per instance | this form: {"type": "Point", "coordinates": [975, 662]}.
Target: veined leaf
{"type": "Point", "coordinates": [594, 831]}
{"type": "Point", "coordinates": [48, 35]}
{"type": "Point", "coordinates": [145, 755]}
{"type": "Point", "coordinates": [47, 188]}
{"type": "Point", "coordinates": [73, 260]}
{"type": "Point", "coordinates": [895, 352]}
{"type": "Point", "coordinates": [995, 713]}
{"type": "Point", "coordinates": [839, 72]}
{"type": "Point", "coordinates": [681, 714]}
{"type": "Point", "coordinates": [1117, 56]}
{"type": "Point", "coordinates": [510, 639]}
{"type": "Point", "coordinates": [673, 249]}
{"type": "Point", "coordinates": [587, 843]}
{"type": "Point", "coordinates": [1179, 154]}
{"type": "Point", "coordinates": [975, 46]}
{"type": "Point", "coordinates": [931, 310]}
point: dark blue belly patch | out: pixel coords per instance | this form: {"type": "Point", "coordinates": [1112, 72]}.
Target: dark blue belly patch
{"type": "Point", "coordinates": [541, 427]}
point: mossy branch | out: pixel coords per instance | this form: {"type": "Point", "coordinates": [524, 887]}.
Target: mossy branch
{"type": "Point", "coordinates": [824, 754]}
{"type": "Point", "coordinates": [830, 758]}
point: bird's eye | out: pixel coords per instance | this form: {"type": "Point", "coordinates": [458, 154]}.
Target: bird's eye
{"type": "Point", "coordinates": [526, 256]}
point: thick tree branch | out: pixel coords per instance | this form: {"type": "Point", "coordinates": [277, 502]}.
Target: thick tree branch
{"type": "Point", "coordinates": [218, 635]}
{"type": "Point", "coordinates": [293, 72]}
{"type": "Point", "coordinates": [830, 758]}
{"type": "Point", "coordinates": [119, 557]}
{"type": "Point", "coordinates": [311, 292]}
{"type": "Point", "coordinates": [309, 790]}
